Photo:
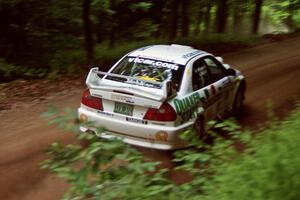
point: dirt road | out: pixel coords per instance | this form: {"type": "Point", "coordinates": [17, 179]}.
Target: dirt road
{"type": "Point", "coordinates": [272, 72]}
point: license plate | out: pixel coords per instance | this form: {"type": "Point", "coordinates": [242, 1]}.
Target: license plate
{"type": "Point", "coordinates": [123, 108]}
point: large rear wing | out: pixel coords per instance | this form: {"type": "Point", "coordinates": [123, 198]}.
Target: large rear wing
{"type": "Point", "coordinates": [154, 90]}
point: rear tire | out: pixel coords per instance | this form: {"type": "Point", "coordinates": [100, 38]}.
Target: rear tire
{"type": "Point", "coordinates": [199, 127]}
{"type": "Point", "coordinates": [238, 102]}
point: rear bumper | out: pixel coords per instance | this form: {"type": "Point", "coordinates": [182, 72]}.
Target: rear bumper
{"type": "Point", "coordinates": [134, 133]}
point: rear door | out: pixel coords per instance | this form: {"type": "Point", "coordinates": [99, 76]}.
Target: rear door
{"type": "Point", "coordinates": [221, 84]}
{"type": "Point", "coordinates": [203, 83]}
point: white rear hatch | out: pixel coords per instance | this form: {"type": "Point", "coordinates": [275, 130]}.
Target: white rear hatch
{"type": "Point", "coordinates": [127, 98]}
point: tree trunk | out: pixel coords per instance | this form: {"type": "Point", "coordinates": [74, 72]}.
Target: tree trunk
{"type": "Point", "coordinates": [112, 38]}
{"type": "Point", "coordinates": [237, 16]}
{"type": "Point", "coordinates": [185, 18]}
{"type": "Point", "coordinates": [198, 21]}
{"type": "Point", "coordinates": [158, 16]}
{"type": "Point", "coordinates": [89, 45]}
{"type": "Point", "coordinates": [101, 15]}
{"type": "Point", "coordinates": [207, 16]}
{"type": "Point", "coordinates": [221, 16]}
{"type": "Point", "coordinates": [20, 40]}
{"type": "Point", "coordinates": [174, 19]}
{"type": "Point", "coordinates": [289, 19]}
{"type": "Point", "coordinates": [112, 35]}
{"type": "Point", "coordinates": [256, 16]}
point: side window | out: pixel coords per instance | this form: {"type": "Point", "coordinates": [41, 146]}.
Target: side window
{"type": "Point", "coordinates": [200, 75]}
{"type": "Point", "coordinates": [216, 70]}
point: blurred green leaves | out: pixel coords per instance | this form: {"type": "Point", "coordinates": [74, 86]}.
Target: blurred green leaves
{"type": "Point", "coordinates": [46, 39]}
{"type": "Point", "coordinates": [230, 164]}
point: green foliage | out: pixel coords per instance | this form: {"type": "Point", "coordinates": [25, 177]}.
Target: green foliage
{"type": "Point", "coordinates": [7, 69]}
{"type": "Point", "coordinates": [102, 169]}
{"type": "Point", "coordinates": [106, 169]}
{"type": "Point", "coordinates": [110, 169]}
{"type": "Point", "coordinates": [285, 12]}
{"type": "Point", "coordinates": [141, 5]}
{"type": "Point", "coordinates": [10, 71]}
{"type": "Point", "coordinates": [230, 164]}
{"type": "Point", "coordinates": [48, 38]}
{"type": "Point", "coordinates": [105, 56]}
{"type": "Point", "coordinates": [272, 172]}
{"type": "Point", "coordinates": [67, 61]}
{"type": "Point", "coordinates": [204, 159]}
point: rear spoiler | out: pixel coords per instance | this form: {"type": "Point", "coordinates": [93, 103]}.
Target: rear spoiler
{"type": "Point", "coordinates": [159, 91]}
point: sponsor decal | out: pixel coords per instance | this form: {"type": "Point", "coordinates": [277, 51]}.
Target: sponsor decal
{"type": "Point", "coordinates": [194, 53]}
{"type": "Point", "coordinates": [226, 81]}
{"type": "Point", "coordinates": [158, 58]}
{"type": "Point", "coordinates": [213, 89]}
{"type": "Point", "coordinates": [121, 98]}
{"type": "Point", "coordinates": [143, 83]}
{"type": "Point", "coordinates": [153, 63]}
{"type": "Point", "coordinates": [130, 119]}
{"type": "Point", "coordinates": [183, 105]}
{"type": "Point", "coordinates": [187, 107]}
{"type": "Point", "coordinates": [206, 92]}
{"type": "Point", "coordinates": [129, 101]}
{"type": "Point", "coordinates": [105, 113]}
{"type": "Point", "coordinates": [188, 71]}
{"type": "Point", "coordinates": [148, 78]}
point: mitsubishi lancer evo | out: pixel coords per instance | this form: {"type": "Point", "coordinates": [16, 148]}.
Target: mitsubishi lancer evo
{"type": "Point", "coordinates": [153, 94]}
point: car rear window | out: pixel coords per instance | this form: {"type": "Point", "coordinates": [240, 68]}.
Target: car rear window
{"type": "Point", "coordinates": [149, 70]}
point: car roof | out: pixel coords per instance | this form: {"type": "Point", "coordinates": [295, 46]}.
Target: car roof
{"type": "Point", "coordinates": [174, 53]}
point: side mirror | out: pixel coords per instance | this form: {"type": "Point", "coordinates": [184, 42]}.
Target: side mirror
{"type": "Point", "coordinates": [220, 59]}
{"type": "Point", "coordinates": [230, 72]}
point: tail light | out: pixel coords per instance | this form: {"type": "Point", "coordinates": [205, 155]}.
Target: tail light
{"type": "Point", "coordinates": [90, 101]}
{"type": "Point", "coordinates": [164, 113]}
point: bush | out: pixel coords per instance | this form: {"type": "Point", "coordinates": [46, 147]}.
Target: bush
{"type": "Point", "coordinates": [66, 62]}
{"type": "Point", "coordinates": [270, 171]}
{"type": "Point", "coordinates": [9, 71]}
{"type": "Point", "coordinates": [6, 70]}
{"type": "Point", "coordinates": [65, 55]}
{"type": "Point", "coordinates": [266, 167]}
{"type": "Point", "coordinates": [101, 169]}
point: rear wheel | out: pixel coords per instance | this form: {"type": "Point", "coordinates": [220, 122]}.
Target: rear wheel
{"type": "Point", "coordinates": [199, 127]}
{"type": "Point", "coordinates": [238, 102]}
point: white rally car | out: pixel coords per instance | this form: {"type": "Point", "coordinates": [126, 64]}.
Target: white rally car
{"type": "Point", "coordinates": [154, 93]}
